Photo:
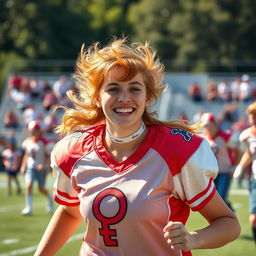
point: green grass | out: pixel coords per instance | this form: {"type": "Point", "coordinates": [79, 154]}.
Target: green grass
{"type": "Point", "coordinates": [19, 235]}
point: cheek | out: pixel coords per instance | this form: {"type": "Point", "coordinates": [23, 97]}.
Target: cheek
{"type": "Point", "coordinates": [105, 101]}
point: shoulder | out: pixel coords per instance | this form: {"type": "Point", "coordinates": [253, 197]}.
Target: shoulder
{"type": "Point", "coordinates": [225, 135]}
{"type": "Point", "coordinates": [27, 141]}
{"type": "Point", "coordinates": [176, 146]}
{"type": "Point", "coordinates": [178, 137]}
{"type": "Point", "coordinates": [71, 148]}
{"type": "Point", "coordinates": [245, 134]}
{"type": "Point", "coordinates": [5, 152]}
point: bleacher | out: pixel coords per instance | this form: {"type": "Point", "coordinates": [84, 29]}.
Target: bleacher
{"type": "Point", "coordinates": [176, 100]}
{"type": "Point", "coordinates": [8, 103]}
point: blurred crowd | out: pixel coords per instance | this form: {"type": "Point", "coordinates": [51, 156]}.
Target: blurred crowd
{"type": "Point", "coordinates": [35, 100]}
{"type": "Point", "coordinates": [241, 89]}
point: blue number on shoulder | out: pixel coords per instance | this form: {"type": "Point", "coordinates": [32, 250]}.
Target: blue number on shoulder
{"type": "Point", "coordinates": [187, 136]}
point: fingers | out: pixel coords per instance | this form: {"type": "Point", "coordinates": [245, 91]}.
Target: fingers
{"type": "Point", "coordinates": [176, 235]}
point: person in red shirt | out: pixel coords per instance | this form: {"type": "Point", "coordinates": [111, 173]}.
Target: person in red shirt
{"type": "Point", "coordinates": [131, 177]}
{"type": "Point", "coordinates": [225, 146]}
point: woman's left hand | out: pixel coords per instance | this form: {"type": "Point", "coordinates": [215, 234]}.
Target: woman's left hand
{"type": "Point", "coordinates": [177, 236]}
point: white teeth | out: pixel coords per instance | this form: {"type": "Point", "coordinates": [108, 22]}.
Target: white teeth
{"type": "Point", "coordinates": [124, 110]}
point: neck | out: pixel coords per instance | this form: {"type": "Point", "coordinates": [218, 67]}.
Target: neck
{"type": "Point", "coordinates": [126, 139]}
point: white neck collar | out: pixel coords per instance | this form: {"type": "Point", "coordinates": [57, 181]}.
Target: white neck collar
{"type": "Point", "coordinates": [128, 138]}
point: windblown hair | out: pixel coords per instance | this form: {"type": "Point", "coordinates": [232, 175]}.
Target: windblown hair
{"type": "Point", "coordinates": [92, 67]}
{"type": "Point", "coordinates": [251, 109]}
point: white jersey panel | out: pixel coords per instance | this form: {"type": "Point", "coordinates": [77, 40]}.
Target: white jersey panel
{"type": "Point", "coordinates": [196, 176]}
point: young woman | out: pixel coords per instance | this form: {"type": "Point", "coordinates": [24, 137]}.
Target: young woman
{"type": "Point", "coordinates": [129, 176]}
{"type": "Point", "coordinates": [248, 138]}
{"type": "Point", "coordinates": [33, 166]}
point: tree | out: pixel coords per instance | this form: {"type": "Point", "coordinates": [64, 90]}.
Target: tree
{"type": "Point", "coordinates": [42, 29]}
{"type": "Point", "coordinates": [149, 20]}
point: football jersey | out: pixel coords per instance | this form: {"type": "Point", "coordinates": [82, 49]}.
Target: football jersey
{"type": "Point", "coordinates": [248, 138]}
{"type": "Point", "coordinates": [36, 150]}
{"type": "Point", "coordinates": [126, 205]}
{"type": "Point", "coordinates": [222, 145]}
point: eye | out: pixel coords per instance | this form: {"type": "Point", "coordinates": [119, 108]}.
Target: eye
{"type": "Point", "coordinates": [135, 89]}
{"type": "Point", "coordinates": [112, 89]}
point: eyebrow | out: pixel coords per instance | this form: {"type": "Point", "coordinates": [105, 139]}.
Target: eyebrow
{"type": "Point", "coordinates": [131, 83]}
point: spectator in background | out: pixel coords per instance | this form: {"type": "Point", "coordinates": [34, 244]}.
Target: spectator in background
{"type": "Point", "coordinates": [60, 87]}
{"type": "Point", "coordinates": [212, 91]}
{"type": "Point", "coordinates": [34, 165]}
{"type": "Point", "coordinates": [195, 92]}
{"type": "Point", "coordinates": [224, 91]}
{"type": "Point", "coordinates": [49, 99]}
{"type": "Point", "coordinates": [228, 117]}
{"type": "Point", "coordinates": [50, 121]}
{"type": "Point", "coordinates": [36, 88]}
{"type": "Point", "coordinates": [245, 89]}
{"type": "Point", "coordinates": [224, 144]}
{"type": "Point", "coordinates": [31, 114]}
{"type": "Point", "coordinates": [235, 89]}
{"type": "Point", "coordinates": [10, 119]}
{"type": "Point", "coordinates": [14, 83]}
{"type": "Point", "coordinates": [12, 159]}
{"type": "Point", "coordinates": [22, 97]}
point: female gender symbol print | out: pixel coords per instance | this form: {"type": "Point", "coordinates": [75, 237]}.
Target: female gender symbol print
{"type": "Point", "coordinates": [105, 231]}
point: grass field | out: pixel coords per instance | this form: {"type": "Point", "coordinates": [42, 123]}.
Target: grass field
{"type": "Point", "coordinates": [19, 235]}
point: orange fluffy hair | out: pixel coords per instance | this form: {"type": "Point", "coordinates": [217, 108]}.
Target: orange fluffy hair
{"type": "Point", "coordinates": [93, 65]}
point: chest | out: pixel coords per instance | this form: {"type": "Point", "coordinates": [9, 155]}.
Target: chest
{"type": "Point", "coordinates": [138, 192]}
{"type": "Point", "coordinates": [34, 148]}
{"type": "Point", "coordinates": [10, 155]}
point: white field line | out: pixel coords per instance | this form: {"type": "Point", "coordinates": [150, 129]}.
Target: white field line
{"type": "Point", "coordinates": [239, 192]}
{"type": "Point", "coordinates": [19, 207]}
{"type": "Point", "coordinates": [33, 248]}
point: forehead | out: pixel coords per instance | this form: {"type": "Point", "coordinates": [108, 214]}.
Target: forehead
{"type": "Point", "coordinates": [120, 74]}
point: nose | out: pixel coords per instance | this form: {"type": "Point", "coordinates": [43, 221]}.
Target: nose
{"type": "Point", "coordinates": [124, 96]}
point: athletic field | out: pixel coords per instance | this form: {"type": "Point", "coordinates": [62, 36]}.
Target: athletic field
{"type": "Point", "coordinates": [19, 235]}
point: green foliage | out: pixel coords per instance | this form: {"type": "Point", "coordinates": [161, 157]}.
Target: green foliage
{"type": "Point", "coordinates": [149, 20]}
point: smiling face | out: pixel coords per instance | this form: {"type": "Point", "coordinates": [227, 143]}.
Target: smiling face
{"type": "Point", "coordinates": [123, 102]}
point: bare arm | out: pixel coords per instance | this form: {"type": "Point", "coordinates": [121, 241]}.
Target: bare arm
{"type": "Point", "coordinates": [223, 228]}
{"type": "Point", "coordinates": [23, 163]}
{"type": "Point", "coordinates": [245, 160]}
{"type": "Point", "coordinates": [243, 163]}
{"type": "Point", "coordinates": [61, 227]}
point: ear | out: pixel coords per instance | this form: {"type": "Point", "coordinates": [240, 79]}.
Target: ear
{"type": "Point", "coordinates": [98, 103]}
{"type": "Point", "coordinates": [147, 102]}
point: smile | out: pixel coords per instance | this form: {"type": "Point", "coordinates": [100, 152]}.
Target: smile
{"type": "Point", "coordinates": [124, 110]}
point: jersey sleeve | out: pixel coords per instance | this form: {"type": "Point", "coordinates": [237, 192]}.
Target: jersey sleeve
{"type": "Point", "coordinates": [64, 186]}
{"type": "Point", "coordinates": [194, 183]}
{"type": "Point", "coordinates": [243, 138]}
